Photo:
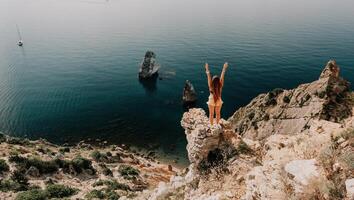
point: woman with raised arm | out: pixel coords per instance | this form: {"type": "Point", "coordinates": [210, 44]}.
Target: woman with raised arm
{"type": "Point", "coordinates": [215, 85]}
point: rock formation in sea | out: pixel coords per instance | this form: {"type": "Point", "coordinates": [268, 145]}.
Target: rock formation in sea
{"type": "Point", "coordinates": [189, 93]}
{"type": "Point", "coordinates": [285, 144]}
{"type": "Point", "coordinates": [149, 66]}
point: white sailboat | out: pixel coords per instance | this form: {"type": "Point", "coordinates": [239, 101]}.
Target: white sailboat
{"type": "Point", "coordinates": [20, 42]}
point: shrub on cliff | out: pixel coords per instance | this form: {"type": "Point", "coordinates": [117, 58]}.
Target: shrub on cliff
{"type": "Point", "coordinates": [95, 194]}
{"type": "Point", "coordinates": [16, 182]}
{"type": "Point", "coordinates": [19, 177]}
{"type": "Point", "coordinates": [128, 172]}
{"type": "Point", "coordinates": [2, 138]}
{"type": "Point", "coordinates": [80, 164]}
{"type": "Point", "coordinates": [105, 170]}
{"type": "Point", "coordinates": [18, 141]}
{"type": "Point", "coordinates": [34, 194]}
{"type": "Point", "coordinates": [76, 165]}
{"type": "Point", "coordinates": [52, 191]}
{"type": "Point", "coordinates": [60, 191]}
{"type": "Point", "coordinates": [43, 166]}
{"type": "Point", "coordinates": [98, 156]}
{"type": "Point", "coordinates": [10, 185]}
{"type": "Point", "coordinates": [112, 185]}
{"type": "Point", "coordinates": [102, 194]}
{"type": "Point", "coordinates": [4, 167]}
{"type": "Point", "coordinates": [64, 150]}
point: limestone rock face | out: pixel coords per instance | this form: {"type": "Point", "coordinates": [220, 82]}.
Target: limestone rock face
{"type": "Point", "coordinates": [149, 66]}
{"type": "Point", "coordinates": [291, 111]}
{"type": "Point", "coordinates": [189, 93]}
{"type": "Point", "coordinates": [201, 137]}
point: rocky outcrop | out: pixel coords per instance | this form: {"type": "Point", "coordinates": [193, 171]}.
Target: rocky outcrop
{"type": "Point", "coordinates": [149, 66]}
{"type": "Point", "coordinates": [189, 93]}
{"type": "Point", "coordinates": [200, 136]}
{"type": "Point", "coordinates": [286, 144]}
{"type": "Point", "coordinates": [292, 111]}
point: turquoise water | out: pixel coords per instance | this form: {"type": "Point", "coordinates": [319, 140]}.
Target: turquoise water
{"type": "Point", "coordinates": [76, 76]}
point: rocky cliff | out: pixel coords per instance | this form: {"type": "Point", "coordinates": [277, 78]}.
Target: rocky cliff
{"type": "Point", "coordinates": [286, 144]}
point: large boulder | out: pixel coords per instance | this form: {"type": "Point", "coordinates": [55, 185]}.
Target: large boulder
{"type": "Point", "coordinates": [149, 66]}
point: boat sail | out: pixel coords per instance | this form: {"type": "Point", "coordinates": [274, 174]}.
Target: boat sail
{"type": "Point", "coordinates": [20, 42]}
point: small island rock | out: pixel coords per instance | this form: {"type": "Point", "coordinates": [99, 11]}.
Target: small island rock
{"type": "Point", "coordinates": [149, 66]}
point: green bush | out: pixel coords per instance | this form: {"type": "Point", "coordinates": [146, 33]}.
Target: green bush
{"type": "Point", "coordinates": [112, 185]}
{"type": "Point", "coordinates": [112, 195]}
{"type": "Point", "coordinates": [102, 194]}
{"type": "Point", "coordinates": [19, 177]}
{"type": "Point", "coordinates": [4, 167]}
{"type": "Point", "coordinates": [105, 170]}
{"type": "Point", "coordinates": [79, 163]}
{"type": "Point", "coordinates": [34, 194]}
{"type": "Point", "coordinates": [98, 194]}
{"type": "Point", "coordinates": [64, 150]}
{"type": "Point", "coordinates": [19, 141]}
{"type": "Point", "coordinates": [2, 138]}
{"type": "Point", "coordinates": [10, 185]}
{"type": "Point", "coordinates": [99, 157]}
{"type": "Point", "coordinates": [126, 170]}
{"type": "Point", "coordinates": [60, 191]}
{"type": "Point", "coordinates": [43, 166]}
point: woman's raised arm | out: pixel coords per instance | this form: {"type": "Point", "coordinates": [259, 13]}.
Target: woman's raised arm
{"type": "Point", "coordinates": [208, 75]}
{"type": "Point", "coordinates": [222, 76]}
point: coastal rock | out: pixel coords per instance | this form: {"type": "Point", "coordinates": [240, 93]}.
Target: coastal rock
{"type": "Point", "coordinates": [149, 66]}
{"type": "Point", "coordinates": [189, 93]}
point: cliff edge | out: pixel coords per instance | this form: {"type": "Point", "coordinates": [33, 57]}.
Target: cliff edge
{"type": "Point", "coordinates": [286, 144]}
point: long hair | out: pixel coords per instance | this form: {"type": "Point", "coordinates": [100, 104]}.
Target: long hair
{"type": "Point", "coordinates": [216, 88]}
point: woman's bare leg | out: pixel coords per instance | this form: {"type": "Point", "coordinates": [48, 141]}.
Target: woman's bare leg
{"type": "Point", "coordinates": [211, 114]}
{"type": "Point", "coordinates": [217, 113]}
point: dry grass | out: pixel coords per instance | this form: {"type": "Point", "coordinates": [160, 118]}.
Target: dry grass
{"type": "Point", "coordinates": [317, 189]}
{"type": "Point", "coordinates": [341, 155]}
{"type": "Point", "coordinates": [288, 186]}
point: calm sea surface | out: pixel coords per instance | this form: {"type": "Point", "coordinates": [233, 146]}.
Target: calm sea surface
{"type": "Point", "coordinates": [76, 76]}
